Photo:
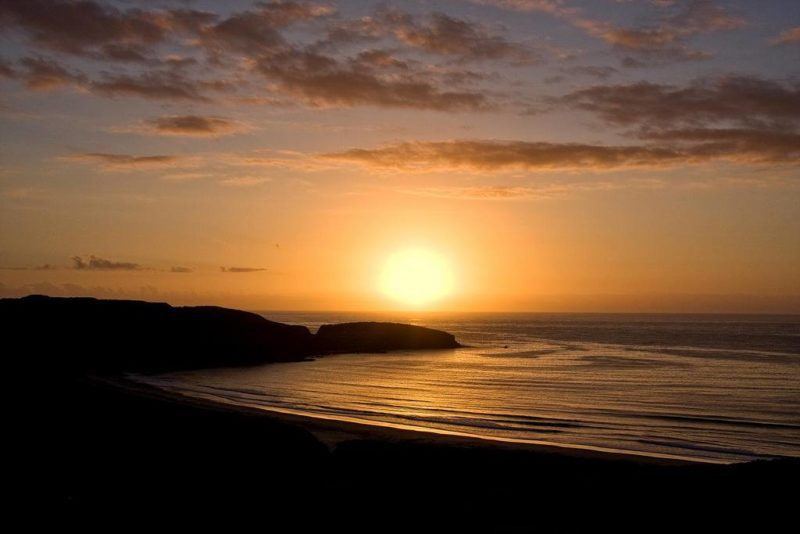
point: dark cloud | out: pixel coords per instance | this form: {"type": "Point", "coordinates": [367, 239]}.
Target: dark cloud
{"type": "Point", "coordinates": [79, 26]}
{"type": "Point", "coordinates": [158, 85]}
{"type": "Point", "coordinates": [601, 72]}
{"type": "Point", "coordinates": [124, 53]}
{"type": "Point", "coordinates": [450, 36]}
{"type": "Point", "coordinates": [123, 160]}
{"type": "Point", "coordinates": [744, 119]}
{"type": "Point", "coordinates": [6, 69]}
{"type": "Point", "coordinates": [241, 269]}
{"type": "Point", "coordinates": [727, 99]}
{"type": "Point", "coordinates": [741, 144]}
{"type": "Point", "coordinates": [42, 74]}
{"type": "Point", "coordinates": [685, 147]}
{"type": "Point", "coordinates": [193, 125]}
{"type": "Point", "coordinates": [155, 53]}
{"type": "Point", "coordinates": [93, 263]}
{"type": "Point", "coordinates": [181, 270]}
{"type": "Point", "coordinates": [324, 81]}
{"type": "Point", "coordinates": [437, 34]}
{"type": "Point", "coordinates": [498, 155]}
{"type": "Point", "coordinates": [256, 32]}
{"type": "Point", "coordinates": [382, 59]}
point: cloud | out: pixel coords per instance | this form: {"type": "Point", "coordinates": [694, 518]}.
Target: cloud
{"type": "Point", "coordinates": [6, 69]}
{"type": "Point", "coordinates": [43, 267]}
{"type": "Point", "coordinates": [123, 160]}
{"type": "Point", "coordinates": [161, 52]}
{"type": "Point", "coordinates": [595, 71]}
{"type": "Point", "coordinates": [193, 125]}
{"type": "Point", "coordinates": [553, 7]}
{"type": "Point", "coordinates": [449, 36]}
{"type": "Point", "coordinates": [256, 32]}
{"type": "Point", "coordinates": [539, 190]}
{"type": "Point", "coordinates": [493, 192]}
{"type": "Point", "coordinates": [661, 41]}
{"type": "Point", "coordinates": [181, 270]}
{"type": "Point", "coordinates": [99, 264]}
{"type": "Point", "coordinates": [740, 144]}
{"type": "Point", "coordinates": [649, 45]}
{"type": "Point", "coordinates": [324, 81]}
{"type": "Point", "coordinates": [487, 156]}
{"type": "Point", "coordinates": [241, 269]}
{"type": "Point", "coordinates": [244, 181]}
{"type": "Point", "coordinates": [500, 155]}
{"type": "Point", "coordinates": [665, 40]}
{"type": "Point", "coordinates": [734, 118]}
{"type": "Point", "coordinates": [77, 27]}
{"type": "Point", "coordinates": [158, 85]}
{"type": "Point", "coordinates": [42, 74]}
{"type": "Point", "coordinates": [737, 99]}
{"type": "Point", "coordinates": [435, 34]}
{"type": "Point", "coordinates": [124, 53]}
{"type": "Point", "coordinates": [790, 36]}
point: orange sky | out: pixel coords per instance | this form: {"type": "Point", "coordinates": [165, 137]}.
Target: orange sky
{"type": "Point", "coordinates": [558, 156]}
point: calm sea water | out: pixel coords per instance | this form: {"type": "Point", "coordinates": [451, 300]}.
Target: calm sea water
{"type": "Point", "coordinates": [715, 388]}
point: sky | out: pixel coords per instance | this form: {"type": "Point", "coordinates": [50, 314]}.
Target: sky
{"type": "Point", "coordinates": [556, 155]}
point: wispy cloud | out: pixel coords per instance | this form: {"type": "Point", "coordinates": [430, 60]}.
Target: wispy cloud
{"type": "Point", "coordinates": [663, 40]}
{"type": "Point", "coordinates": [40, 74]}
{"type": "Point", "coordinates": [538, 190]}
{"type": "Point", "coordinates": [123, 161]}
{"type": "Point", "coordinates": [790, 36]}
{"type": "Point", "coordinates": [244, 181]}
{"type": "Point", "coordinates": [241, 269]}
{"type": "Point", "coordinates": [491, 155]}
{"type": "Point", "coordinates": [193, 125]}
{"type": "Point", "coordinates": [157, 85]}
{"type": "Point", "coordinates": [93, 263]}
{"type": "Point", "coordinates": [493, 192]}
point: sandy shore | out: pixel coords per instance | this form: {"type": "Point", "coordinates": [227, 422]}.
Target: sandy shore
{"type": "Point", "coordinates": [112, 447]}
{"type": "Point", "coordinates": [333, 432]}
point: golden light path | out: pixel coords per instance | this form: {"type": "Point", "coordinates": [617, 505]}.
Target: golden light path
{"type": "Point", "coordinates": [416, 277]}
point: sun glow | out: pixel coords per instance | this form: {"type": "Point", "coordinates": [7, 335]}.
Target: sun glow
{"type": "Point", "coordinates": [416, 278]}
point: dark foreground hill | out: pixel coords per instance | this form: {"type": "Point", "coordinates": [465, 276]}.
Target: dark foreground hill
{"type": "Point", "coordinates": [78, 334]}
{"type": "Point", "coordinates": [103, 452]}
{"type": "Point", "coordinates": [375, 337]}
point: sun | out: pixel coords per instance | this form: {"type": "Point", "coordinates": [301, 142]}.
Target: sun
{"type": "Point", "coordinates": [416, 277]}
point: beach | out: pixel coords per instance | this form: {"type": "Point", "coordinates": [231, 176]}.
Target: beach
{"type": "Point", "coordinates": [134, 447]}
{"type": "Point", "coordinates": [104, 434]}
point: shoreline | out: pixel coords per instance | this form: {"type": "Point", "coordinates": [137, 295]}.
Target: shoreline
{"type": "Point", "coordinates": [121, 445]}
{"type": "Point", "coordinates": [332, 431]}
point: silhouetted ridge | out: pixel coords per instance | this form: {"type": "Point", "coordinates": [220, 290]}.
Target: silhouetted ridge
{"type": "Point", "coordinates": [80, 334]}
{"type": "Point", "coordinates": [372, 336]}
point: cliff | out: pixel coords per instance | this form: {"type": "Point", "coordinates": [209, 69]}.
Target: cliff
{"type": "Point", "coordinates": [80, 334]}
{"type": "Point", "coordinates": [377, 337]}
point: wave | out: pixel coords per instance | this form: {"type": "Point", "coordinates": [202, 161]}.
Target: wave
{"type": "Point", "coordinates": [649, 386]}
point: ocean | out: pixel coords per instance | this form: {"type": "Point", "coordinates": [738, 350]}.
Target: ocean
{"type": "Point", "coordinates": [715, 388]}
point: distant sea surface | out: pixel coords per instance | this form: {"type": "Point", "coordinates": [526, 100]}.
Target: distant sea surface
{"type": "Point", "coordinates": [720, 388]}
